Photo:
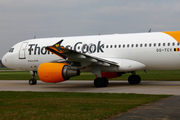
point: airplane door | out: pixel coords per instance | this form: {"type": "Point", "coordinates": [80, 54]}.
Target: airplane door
{"type": "Point", "coordinates": [22, 51]}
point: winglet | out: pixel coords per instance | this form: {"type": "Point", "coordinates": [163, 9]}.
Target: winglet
{"type": "Point", "coordinates": [58, 45]}
{"type": "Point", "coordinates": [56, 49]}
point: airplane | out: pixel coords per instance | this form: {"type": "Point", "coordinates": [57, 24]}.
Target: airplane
{"type": "Point", "coordinates": [106, 56]}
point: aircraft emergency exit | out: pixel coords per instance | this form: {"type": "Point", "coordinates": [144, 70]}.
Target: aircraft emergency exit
{"type": "Point", "coordinates": [106, 56]}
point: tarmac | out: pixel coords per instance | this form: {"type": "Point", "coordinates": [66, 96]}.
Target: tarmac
{"type": "Point", "coordinates": [145, 87]}
{"type": "Point", "coordinates": [165, 109]}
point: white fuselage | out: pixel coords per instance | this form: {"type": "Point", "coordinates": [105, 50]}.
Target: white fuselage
{"type": "Point", "coordinates": [156, 51]}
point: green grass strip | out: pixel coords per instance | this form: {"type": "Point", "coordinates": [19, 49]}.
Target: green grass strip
{"type": "Point", "coordinates": [68, 106]}
{"type": "Point", "coordinates": [15, 75]}
{"type": "Point", "coordinates": [4, 68]}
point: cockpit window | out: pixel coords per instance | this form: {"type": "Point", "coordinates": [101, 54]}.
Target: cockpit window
{"type": "Point", "coordinates": [11, 50]}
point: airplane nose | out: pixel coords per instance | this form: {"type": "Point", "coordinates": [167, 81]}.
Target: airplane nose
{"type": "Point", "coordinates": [7, 60]}
{"type": "Point", "coordinates": [4, 60]}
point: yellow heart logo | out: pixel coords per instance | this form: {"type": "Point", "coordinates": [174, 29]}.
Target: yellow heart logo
{"type": "Point", "coordinates": [57, 45]}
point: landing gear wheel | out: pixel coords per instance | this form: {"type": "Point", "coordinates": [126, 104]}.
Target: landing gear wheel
{"type": "Point", "coordinates": [101, 82]}
{"type": "Point", "coordinates": [134, 79]}
{"type": "Point", "coordinates": [138, 79]}
{"type": "Point", "coordinates": [32, 81]}
{"type": "Point", "coordinates": [106, 82]}
{"type": "Point", "coordinates": [35, 81]}
{"type": "Point", "coordinates": [98, 82]}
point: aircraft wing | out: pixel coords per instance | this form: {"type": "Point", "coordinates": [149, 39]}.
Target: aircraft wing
{"type": "Point", "coordinates": [74, 56]}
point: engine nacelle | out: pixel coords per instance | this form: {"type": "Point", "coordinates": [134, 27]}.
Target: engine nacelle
{"type": "Point", "coordinates": [56, 72]}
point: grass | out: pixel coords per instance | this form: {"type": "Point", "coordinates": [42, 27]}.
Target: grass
{"type": "Point", "coordinates": [166, 75]}
{"type": "Point", "coordinates": [15, 75]}
{"type": "Point", "coordinates": [68, 106]}
{"type": "Point", "coordinates": [4, 68]}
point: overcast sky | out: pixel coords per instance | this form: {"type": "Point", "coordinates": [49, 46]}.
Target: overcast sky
{"type": "Point", "coordinates": [23, 19]}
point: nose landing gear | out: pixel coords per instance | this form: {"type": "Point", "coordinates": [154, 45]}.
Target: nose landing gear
{"type": "Point", "coordinates": [33, 81]}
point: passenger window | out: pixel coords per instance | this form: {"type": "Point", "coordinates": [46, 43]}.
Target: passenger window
{"type": "Point", "coordinates": [123, 46]}
{"type": "Point", "coordinates": [145, 45]}
{"type": "Point", "coordinates": [173, 44]}
{"type": "Point", "coordinates": [159, 44]}
{"type": "Point", "coordinates": [149, 44]}
{"type": "Point", "coordinates": [164, 44]}
{"type": "Point", "coordinates": [111, 46]}
{"type": "Point", "coordinates": [132, 45]}
{"type": "Point", "coordinates": [136, 45]}
{"type": "Point", "coordinates": [168, 44]}
{"type": "Point", "coordinates": [119, 46]}
{"type": "Point", "coordinates": [106, 46]}
{"type": "Point", "coordinates": [128, 45]}
{"type": "Point", "coordinates": [177, 44]}
{"type": "Point", "coordinates": [154, 44]}
{"type": "Point", "coordinates": [141, 45]}
{"type": "Point", "coordinates": [115, 46]}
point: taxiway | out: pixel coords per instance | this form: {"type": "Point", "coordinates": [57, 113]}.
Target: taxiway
{"type": "Point", "coordinates": [145, 87]}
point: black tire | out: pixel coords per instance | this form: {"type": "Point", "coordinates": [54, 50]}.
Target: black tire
{"type": "Point", "coordinates": [35, 81]}
{"type": "Point", "coordinates": [31, 82]}
{"type": "Point", "coordinates": [98, 82]}
{"type": "Point", "coordinates": [132, 79]}
{"type": "Point", "coordinates": [138, 79]}
{"type": "Point", "coordinates": [106, 82]}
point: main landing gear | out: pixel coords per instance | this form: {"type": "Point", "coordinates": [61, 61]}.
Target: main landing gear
{"type": "Point", "coordinates": [134, 79]}
{"type": "Point", "coordinates": [101, 82]}
{"type": "Point", "coordinates": [33, 81]}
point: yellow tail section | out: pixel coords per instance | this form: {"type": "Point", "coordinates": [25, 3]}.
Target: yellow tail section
{"type": "Point", "coordinates": [174, 34]}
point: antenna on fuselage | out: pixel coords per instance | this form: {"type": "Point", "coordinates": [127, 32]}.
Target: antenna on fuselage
{"type": "Point", "coordinates": [35, 37]}
{"type": "Point", "coordinates": [149, 30]}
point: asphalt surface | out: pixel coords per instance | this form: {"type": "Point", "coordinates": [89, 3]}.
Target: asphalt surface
{"type": "Point", "coordinates": [145, 87]}
{"type": "Point", "coordinates": [165, 109]}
